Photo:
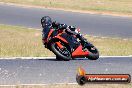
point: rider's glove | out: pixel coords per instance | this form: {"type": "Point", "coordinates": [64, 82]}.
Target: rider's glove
{"type": "Point", "coordinates": [62, 26]}
{"type": "Point", "coordinates": [55, 25]}
{"type": "Point", "coordinates": [77, 30]}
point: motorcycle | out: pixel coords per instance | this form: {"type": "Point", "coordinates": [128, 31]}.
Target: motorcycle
{"type": "Point", "coordinates": [64, 50]}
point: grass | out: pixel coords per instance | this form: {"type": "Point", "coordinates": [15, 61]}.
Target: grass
{"type": "Point", "coordinates": [72, 86]}
{"type": "Point", "coordinates": [18, 41]}
{"type": "Point", "coordinates": [114, 6]}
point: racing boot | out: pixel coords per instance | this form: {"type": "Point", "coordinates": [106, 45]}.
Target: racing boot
{"type": "Point", "coordinates": [87, 45]}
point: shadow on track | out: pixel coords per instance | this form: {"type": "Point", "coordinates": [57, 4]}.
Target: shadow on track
{"type": "Point", "coordinates": [54, 59]}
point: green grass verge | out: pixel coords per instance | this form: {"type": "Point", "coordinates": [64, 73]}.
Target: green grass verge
{"type": "Point", "coordinates": [118, 6]}
{"type": "Point", "coordinates": [19, 41]}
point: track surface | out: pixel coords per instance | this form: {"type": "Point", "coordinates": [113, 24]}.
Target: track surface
{"type": "Point", "coordinates": [47, 71]}
{"type": "Point", "coordinates": [98, 25]}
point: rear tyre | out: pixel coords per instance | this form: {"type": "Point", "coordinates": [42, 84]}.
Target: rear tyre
{"type": "Point", "coordinates": [93, 53]}
{"type": "Point", "coordinates": [61, 54]}
{"type": "Point", "coordinates": [58, 58]}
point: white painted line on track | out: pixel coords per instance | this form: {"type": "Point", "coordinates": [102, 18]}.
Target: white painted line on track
{"type": "Point", "coordinates": [38, 84]}
{"type": "Point", "coordinates": [50, 84]}
{"type": "Point", "coordinates": [115, 56]}
{"type": "Point", "coordinates": [27, 57]}
{"type": "Point", "coordinates": [54, 57]}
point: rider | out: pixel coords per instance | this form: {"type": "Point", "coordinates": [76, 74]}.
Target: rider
{"type": "Point", "coordinates": [48, 24]}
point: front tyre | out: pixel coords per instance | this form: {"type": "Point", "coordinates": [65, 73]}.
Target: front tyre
{"type": "Point", "coordinates": [61, 54]}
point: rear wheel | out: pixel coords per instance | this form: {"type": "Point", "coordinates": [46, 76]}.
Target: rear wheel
{"type": "Point", "coordinates": [58, 58]}
{"type": "Point", "coordinates": [61, 54]}
{"type": "Point", "coordinates": [93, 53]}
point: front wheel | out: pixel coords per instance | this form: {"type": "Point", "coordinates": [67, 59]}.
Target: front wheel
{"type": "Point", "coordinates": [61, 54]}
{"type": "Point", "coordinates": [93, 53]}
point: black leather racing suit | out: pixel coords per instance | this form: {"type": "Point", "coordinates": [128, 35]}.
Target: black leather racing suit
{"type": "Point", "coordinates": [71, 30]}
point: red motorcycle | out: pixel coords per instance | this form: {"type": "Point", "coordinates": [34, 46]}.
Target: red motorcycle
{"type": "Point", "coordinates": [64, 50]}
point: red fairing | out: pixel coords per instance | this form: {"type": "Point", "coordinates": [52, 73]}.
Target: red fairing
{"type": "Point", "coordinates": [79, 52]}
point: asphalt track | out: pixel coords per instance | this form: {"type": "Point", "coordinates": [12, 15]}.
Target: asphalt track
{"type": "Point", "coordinates": [50, 71]}
{"type": "Point", "coordinates": [97, 25]}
